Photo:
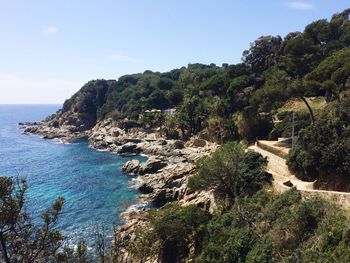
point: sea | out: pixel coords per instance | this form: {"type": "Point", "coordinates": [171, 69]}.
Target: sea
{"type": "Point", "coordinates": [91, 182]}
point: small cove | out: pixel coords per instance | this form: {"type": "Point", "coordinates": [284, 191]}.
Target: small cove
{"type": "Point", "coordinates": [94, 188]}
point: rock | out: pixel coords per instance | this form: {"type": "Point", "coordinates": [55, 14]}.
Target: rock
{"type": "Point", "coordinates": [162, 142]}
{"type": "Point", "coordinates": [173, 183]}
{"type": "Point", "coordinates": [163, 196]}
{"type": "Point", "coordinates": [176, 159]}
{"type": "Point", "coordinates": [145, 188]}
{"type": "Point", "coordinates": [133, 140]}
{"type": "Point", "coordinates": [31, 129]}
{"type": "Point", "coordinates": [160, 198]}
{"type": "Point", "coordinates": [131, 167]}
{"type": "Point", "coordinates": [198, 143]}
{"type": "Point", "coordinates": [109, 140]}
{"type": "Point", "coordinates": [204, 135]}
{"type": "Point", "coordinates": [128, 149]}
{"type": "Point", "coordinates": [288, 183]}
{"type": "Point", "coordinates": [151, 166]}
{"type": "Point", "coordinates": [179, 144]}
{"type": "Point", "coordinates": [115, 133]}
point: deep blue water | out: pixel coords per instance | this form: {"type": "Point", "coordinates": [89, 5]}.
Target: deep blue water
{"type": "Point", "coordinates": [91, 182]}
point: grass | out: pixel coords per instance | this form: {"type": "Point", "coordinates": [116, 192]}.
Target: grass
{"type": "Point", "coordinates": [297, 105]}
{"type": "Point", "coordinates": [273, 150]}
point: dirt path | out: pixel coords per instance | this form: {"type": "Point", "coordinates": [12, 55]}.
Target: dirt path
{"type": "Point", "coordinates": [279, 170]}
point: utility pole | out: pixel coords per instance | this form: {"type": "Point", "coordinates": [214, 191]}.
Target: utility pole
{"type": "Point", "coordinates": [293, 130]}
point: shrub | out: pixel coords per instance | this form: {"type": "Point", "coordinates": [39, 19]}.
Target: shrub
{"type": "Point", "coordinates": [324, 147]}
{"type": "Point", "coordinates": [231, 171]}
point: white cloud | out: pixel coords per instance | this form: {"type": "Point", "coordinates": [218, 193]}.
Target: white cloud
{"type": "Point", "coordinates": [24, 90]}
{"type": "Point", "coordinates": [121, 56]}
{"type": "Point", "coordinates": [50, 30]}
{"type": "Point", "coordinates": [300, 5]}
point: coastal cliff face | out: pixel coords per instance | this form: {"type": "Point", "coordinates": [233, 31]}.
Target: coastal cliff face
{"type": "Point", "coordinates": [78, 114]}
{"type": "Point", "coordinates": [161, 179]}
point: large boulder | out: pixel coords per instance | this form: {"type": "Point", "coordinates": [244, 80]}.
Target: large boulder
{"type": "Point", "coordinates": [131, 167]}
{"type": "Point", "coordinates": [128, 149]}
{"type": "Point", "coordinates": [151, 166]}
{"type": "Point", "coordinates": [163, 196]}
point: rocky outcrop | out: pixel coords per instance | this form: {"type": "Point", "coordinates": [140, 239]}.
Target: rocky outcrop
{"type": "Point", "coordinates": [161, 179]}
{"type": "Point", "coordinates": [65, 134]}
{"type": "Point", "coordinates": [131, 167]}
{"type": "Point", "coordinates": [128, 149]}
{"type": "Point", "coordinates": [77, 116]}
{"type": "Point", "coordinates": [152, 165]}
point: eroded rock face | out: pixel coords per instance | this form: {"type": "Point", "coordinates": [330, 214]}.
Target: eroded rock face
{"type": "Point", "coordinates": [77, 116]}
{"type": "Point", "coordinates": [152, 165]}
{"type": "Point", "coordinates": [161, 179]}
{"type": "Point", "coordinates": [131, 167]}
{"type": "Point", "coordinates": [128, 149]}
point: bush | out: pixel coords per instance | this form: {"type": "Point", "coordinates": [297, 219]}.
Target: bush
{"type": "Point", "coordinates": [324, 147]}
{"type": "Point", "coordinates": [177, 228]}
{"type": "Point", "coordinates": [232, 171]}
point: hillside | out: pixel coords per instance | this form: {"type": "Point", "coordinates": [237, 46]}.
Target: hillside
{"type": "Point", "coordinates": [221, 207]}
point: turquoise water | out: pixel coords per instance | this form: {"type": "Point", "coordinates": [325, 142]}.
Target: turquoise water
{"type": "Point", "coordinates": [91, 182]}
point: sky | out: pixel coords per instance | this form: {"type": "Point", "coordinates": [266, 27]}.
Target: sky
{"type": "Point", "coordinates": [49, 49]}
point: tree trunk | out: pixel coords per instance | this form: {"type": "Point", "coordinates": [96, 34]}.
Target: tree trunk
{"type": "Point", "coordinates": [311, 113]}
{"type": "Point", "coordinates": [4, 249]}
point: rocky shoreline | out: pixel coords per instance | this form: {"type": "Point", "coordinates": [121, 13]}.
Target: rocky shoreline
{"type": "Point", "coordinates": [160, 180]}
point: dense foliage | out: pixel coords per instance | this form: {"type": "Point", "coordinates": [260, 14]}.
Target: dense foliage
{"type": "Point", "coordinates": [324, 148]}
{"type": "Point", "coordinates": [233, 101]}
{"type": "Point", "coordinates": [232, 171]}
{"type": "Point", "coordinates": [265, 228]}
{"type": "Point", "coordinates": [224, 103]}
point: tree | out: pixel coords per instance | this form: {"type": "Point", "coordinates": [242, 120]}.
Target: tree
{"type": "Point", "coordinates": [333, 73]}
{"type": "Point", "coordinates": [318, 32]}
{"type": "Point", "coordinates": [231, 171]}
{"type": "Point", "coordinates": [191, 114]}
{"type": "Point", "coordinates": [20, 239]}
{"type": "Point", "coordinates": [263, 53]}
{"type": "Point", "coordinates": [300, 56]}
{"type": "Point", "coordinates": [81, 252]}
{"type": "Point", "coordinates": [177, 228]}
{"type": "Point", "coordinates": [324, 148]}
{"type": "Point", "coordinates": [280, 87]}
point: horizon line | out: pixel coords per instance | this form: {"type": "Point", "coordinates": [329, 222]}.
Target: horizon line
{"type": "Point", "coordinates": [29, 104]}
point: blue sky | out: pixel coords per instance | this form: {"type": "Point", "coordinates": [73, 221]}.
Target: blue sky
{"type": "Point", "coordinates": [49, 49]}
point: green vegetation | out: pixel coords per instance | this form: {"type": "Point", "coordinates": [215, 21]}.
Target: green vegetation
{"type": "Point", "coordinates": [265, 227]}
{"type": "Point", "coordinates": [231, 171]}
{"type": "Point", "coordinates": [324, 148]}
{"type": "Point", "coordinates": [231, 102]}
{"type": "Point", "coordinates": [20, 239]}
